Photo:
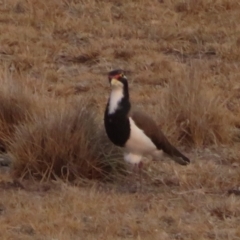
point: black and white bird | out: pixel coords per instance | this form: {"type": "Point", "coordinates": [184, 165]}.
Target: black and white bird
{"type": "Point", "coordinates": [135, 131]}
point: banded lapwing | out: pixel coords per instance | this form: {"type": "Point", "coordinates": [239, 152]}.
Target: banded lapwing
{"type": "Point", "coordinates": [135, 131]}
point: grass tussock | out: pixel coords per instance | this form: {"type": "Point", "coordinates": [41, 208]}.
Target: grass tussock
{"type": "Point", "coordinates": [64, 141]}
{"type": "Point", "coordinates": [195, 114]}
{"type": "Point", "coordinates": [16, 108]}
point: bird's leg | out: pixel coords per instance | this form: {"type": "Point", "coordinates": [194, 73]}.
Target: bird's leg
{"type": "Point", "coordinates": [134, 160]}
{"type": "Point", "coordinates": [135, 175]}
{"type": "Point", "coordinates": [131, 178]}
{"type": "Point", "coordinates": [134, 172]}
{"type": "Point", "coordinates": [140, 166]}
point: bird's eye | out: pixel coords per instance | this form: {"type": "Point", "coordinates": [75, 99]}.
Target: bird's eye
{"type": "Point", "coordinates": [122, 75]}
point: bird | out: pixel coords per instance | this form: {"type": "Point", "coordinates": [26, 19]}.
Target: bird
{"type": "Point", "coordinates": [134, 131]}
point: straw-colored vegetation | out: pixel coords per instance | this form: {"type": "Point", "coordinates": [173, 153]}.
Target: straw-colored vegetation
{"type": "Point", "coordinates": [182, 59]}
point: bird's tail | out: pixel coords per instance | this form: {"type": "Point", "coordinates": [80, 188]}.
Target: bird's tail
{"type": "Point", "coordinates": [174, 153]}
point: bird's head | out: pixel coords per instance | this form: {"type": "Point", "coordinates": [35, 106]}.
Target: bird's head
{"type": "Point", "coordinates": [117, 78]}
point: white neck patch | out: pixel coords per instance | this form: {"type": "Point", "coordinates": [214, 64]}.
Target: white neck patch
{"type": "Point", "coordinates": [115, 97]}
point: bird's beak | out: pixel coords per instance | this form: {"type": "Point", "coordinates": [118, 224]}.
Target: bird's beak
{"type": "Point", "coordinates": [115, 83]}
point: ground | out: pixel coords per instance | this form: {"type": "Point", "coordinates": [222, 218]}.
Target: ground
{"type": "Point", "coordinates": [182, 60]}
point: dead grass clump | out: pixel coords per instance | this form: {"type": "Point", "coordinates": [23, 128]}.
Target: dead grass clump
{"type": "Point", "coordinates": [195, 6]}
{"type": "Point", "coordinates": [195, 114]}
{"type": "Point", "coordinates": [63, 142]}
{"type": "Point", "coordinates": [67, 90]}
{"type": "Point", "coordinates": [15, 108]}
{"type": "Point", "coordinates": [124, 54]}
{"type": "Point", "coordinates": [88, 56]}
{"type": "Point", "coordinates": [225, 210]}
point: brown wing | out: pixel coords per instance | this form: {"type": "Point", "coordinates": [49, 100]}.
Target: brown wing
{"type": "Point", "coordinates": [151, 129]}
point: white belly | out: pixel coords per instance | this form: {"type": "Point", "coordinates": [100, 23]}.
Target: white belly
{"type": "Point", "coordinates": [138, 142]}
{"type": "Point", "coordinates": [132, 158]}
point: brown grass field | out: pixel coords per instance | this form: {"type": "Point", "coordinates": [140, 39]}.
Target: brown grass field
{"type": "Point", "coordinates": [66, 180]}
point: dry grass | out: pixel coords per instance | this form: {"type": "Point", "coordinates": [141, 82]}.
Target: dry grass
{"type": "Point", "coordinates": [16, 108]}
{"type": "Point", "coordinates": [64, 141]}
{"type": "Point", "coordinates": [195, 115]}
{"type": "Point", "coordinates": [182, 59]}
{"type": "Point", "coordinates": [187, 205]}
{"type": "Point", "coordinates": [49, 138]}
